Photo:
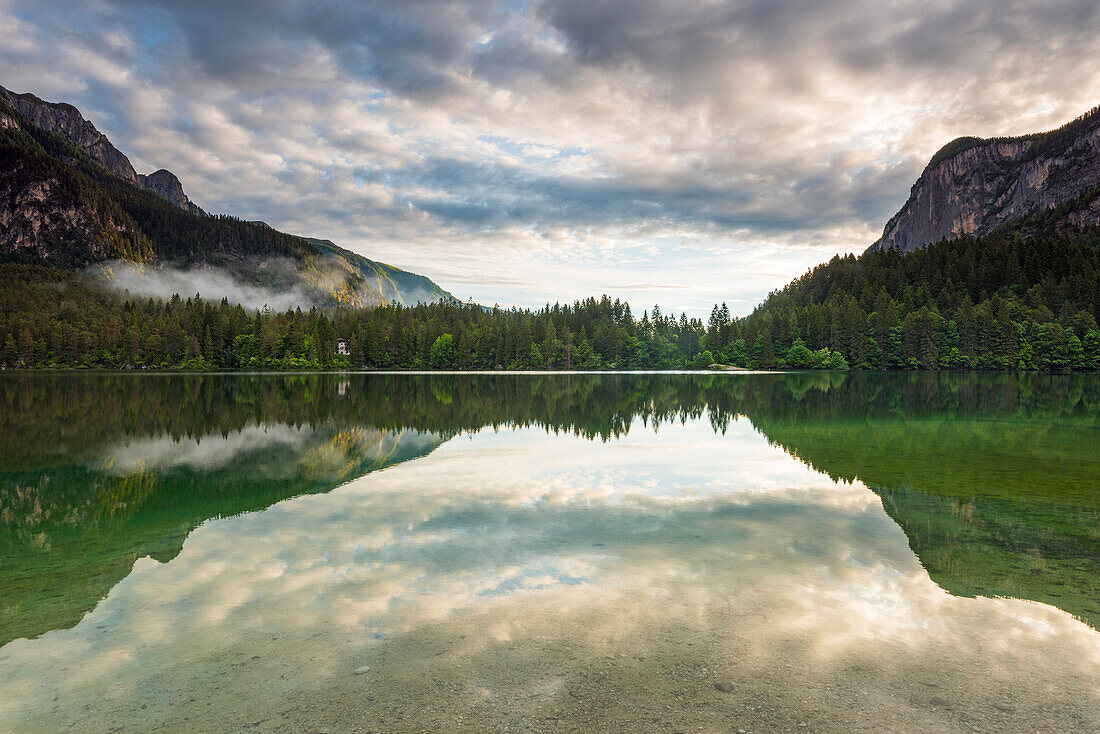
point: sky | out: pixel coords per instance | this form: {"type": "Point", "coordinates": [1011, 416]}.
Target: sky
{"type": "Point", "coordinates": [677, 152]}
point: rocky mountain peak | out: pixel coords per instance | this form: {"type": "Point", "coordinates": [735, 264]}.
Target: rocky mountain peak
{"type": "Point", "coordinates": [65, 120]}
{"type": "Point", "coordinates": [164, 183]}
{"type": "Point", "coordinates": [973, 185]}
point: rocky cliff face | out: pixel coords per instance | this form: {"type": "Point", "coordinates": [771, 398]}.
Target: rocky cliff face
{"type": "Point", "coordinates": [973, 186]}
{"type": "Point", "coordinates": [165, 185]}
{"type": "Point", "coordinates": [65, 120]}
{"type": "Point", "coordinates": [40, 213]}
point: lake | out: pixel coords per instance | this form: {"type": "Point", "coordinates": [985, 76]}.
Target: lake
{"type": "Point", "coordinates": [550, 553]}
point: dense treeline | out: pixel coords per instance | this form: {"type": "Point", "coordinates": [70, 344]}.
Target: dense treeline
{"type": "Point", "coordinates": [50, 318]}
{"type": "Point", "coordinates": [1001, 302]}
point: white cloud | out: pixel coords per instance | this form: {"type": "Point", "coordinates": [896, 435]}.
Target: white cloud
{"type": "Point", "coordinates": [538, 540]}
{"type": "Point", "coordinates": [471, 141]}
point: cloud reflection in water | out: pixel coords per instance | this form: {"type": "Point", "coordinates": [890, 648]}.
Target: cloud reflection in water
{"type": "Point", "coordinates": [516, 537]}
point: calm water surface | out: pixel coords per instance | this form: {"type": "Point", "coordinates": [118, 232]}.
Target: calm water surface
{"type": "Point", "coordinates": [543, 553]}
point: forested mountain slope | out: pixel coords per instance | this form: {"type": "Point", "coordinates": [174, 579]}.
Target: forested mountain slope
{"type": "Point", "coordinates": [993, 263]}
{"type": "Point", "coordinates": [1025, 297]}
{"type": "Point", "coordinates": [70, 199]}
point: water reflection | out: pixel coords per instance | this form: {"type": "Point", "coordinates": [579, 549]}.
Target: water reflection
{"type": "Point", "coordinates": [682, 570]}
{"type": "Point", "coordinates": [72, 530]}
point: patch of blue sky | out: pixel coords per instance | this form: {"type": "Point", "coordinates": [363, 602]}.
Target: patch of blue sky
{"type": "Point", "coordinates": [526, 150]}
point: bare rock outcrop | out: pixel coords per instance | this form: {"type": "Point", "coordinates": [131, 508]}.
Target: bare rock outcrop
{"type": "Point", "coordinates": [972, 186]}
{"type": "Point", "coordinates": [165, 185]}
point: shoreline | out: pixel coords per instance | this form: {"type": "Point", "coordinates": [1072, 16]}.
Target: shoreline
{"type": "Point", "coordinates": [708, 371]}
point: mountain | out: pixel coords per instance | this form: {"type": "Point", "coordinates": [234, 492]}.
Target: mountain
{"type": "Point", "coordinates": [385, 282]}
{"type": "Point", "coordinates": [993, 263]}
{"type": "Point", "coordinates": [164, 184]}
{"type": "Point", "coordinates": [1017, 298]}
{"type": "Point", "coordinates": [70, 199]}
{"type": "Point", "coordinates": [66, 121]}
{"type": "Point", "coordinates": [973, 186]}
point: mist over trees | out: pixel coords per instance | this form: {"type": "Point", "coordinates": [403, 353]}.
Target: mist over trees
{"type": "Point", "coordinates": [1001, 302]}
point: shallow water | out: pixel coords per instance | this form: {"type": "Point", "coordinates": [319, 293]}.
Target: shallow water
{"type": "Point", "coordinates": [700, 553]}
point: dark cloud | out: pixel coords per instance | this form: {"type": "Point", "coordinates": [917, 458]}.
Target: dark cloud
{"type": "Point", "coordinates": [408, 47]}
{"type": "Point", "coordinates": [556, 130]}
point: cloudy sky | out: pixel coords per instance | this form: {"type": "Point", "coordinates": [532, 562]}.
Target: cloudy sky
{"type": "Point", "coordinates": [674, 151]}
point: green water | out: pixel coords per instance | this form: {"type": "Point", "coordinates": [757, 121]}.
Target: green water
{"type": "Point", "coordinates": [702, 552]}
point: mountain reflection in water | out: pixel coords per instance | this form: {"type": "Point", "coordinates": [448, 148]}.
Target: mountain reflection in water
{"type": "Point", "coordinates": [653, 523]}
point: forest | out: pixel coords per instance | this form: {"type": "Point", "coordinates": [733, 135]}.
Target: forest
{"type": "Point", "coordinates": [1007, 301]}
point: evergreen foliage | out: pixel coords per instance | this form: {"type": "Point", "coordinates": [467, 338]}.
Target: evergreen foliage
{"type": "Point", "coordinates": [53, 318]}
{"type": "Point", "coordinates": [1000, 302]}
{"type": "Point", "coordinates": [1004, 301]}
